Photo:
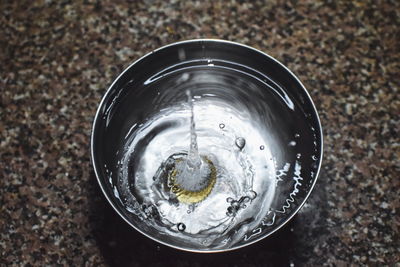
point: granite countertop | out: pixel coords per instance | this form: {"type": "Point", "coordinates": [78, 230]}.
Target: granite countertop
{"type": "Point", "coordinates": [58, 58]}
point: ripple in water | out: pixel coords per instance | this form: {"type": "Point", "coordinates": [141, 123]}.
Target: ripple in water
{"type": "Point", "coordinates": [185, 178]}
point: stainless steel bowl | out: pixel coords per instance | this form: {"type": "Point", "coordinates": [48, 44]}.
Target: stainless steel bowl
{"type": "Point", "coordinates": [239, 75]}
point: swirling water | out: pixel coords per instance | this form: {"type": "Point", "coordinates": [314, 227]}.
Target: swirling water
{"type": "Point", "coordinates": [206, 171]}
{"type": "Point", "coordinates": [243, 187]}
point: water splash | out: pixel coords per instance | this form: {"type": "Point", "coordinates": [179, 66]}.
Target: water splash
{"type": "Point", "coordinates": [271, 216]}
{"type": "Point", "coordinates": [174, 195]}
{"type": "Point", "coordinates": [297, 178]}
{"type": "Point", "coordinates": [212, 128]}
{"type": "Point", "coordinates": [282, 172]}
{"type": "Point", "coordinates": [193, 160]}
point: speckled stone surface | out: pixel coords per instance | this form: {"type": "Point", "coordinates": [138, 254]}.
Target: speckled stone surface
{"type": "Point", "coordinates": [58, 58]}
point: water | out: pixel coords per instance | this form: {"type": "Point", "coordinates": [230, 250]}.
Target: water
{"type": "Point", "coordinates": [196, 171]}
{"type": "Point", "coordinates": [216, 158]}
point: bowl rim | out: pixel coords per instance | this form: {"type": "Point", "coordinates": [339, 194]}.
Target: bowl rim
{"type": "Point", "coordinates": [98, 113]}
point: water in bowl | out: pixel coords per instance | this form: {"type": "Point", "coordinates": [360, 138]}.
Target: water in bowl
{"type": "Point", "coordinates": [204, 171]}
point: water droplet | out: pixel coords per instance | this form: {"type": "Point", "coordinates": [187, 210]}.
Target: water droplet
{"type": "Point", "coordinates": [251, 194]}
{"type": "Point", "coordinates": [191, 208]}
{"type": "Point", "coordinates": [314, 157]}
{"type": "Point", "coordinates": [181, 227]}
{"type": "Point", "coordinates": [185, 77]}
{"type": "Point", "coordinates": [298, 156]}
{"type": "Point", "coordinates": [229, 200]}
{"type": "Point", "coordinates": [262, 147]}
{"type": "Point", "coordinates": [297, 135]}
{"type": "Point", "coordinates": [235, 204]}
{"type": "Point", "coordinates": [292, 143]}
{"type": "Point", "coordinates": [240, 142]}
{"type": "Point", "coordinates": [221, 125]}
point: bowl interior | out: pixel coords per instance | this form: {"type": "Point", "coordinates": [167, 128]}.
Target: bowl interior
{"type": "Point", "coordinates": [218, 72]}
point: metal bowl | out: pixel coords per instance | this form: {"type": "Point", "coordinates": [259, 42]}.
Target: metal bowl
{"type": "Point", "coordinates": [259, 83]}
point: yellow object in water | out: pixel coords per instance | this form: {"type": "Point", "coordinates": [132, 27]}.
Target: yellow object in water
{"type": "Point", "coordinates": [190, 197]}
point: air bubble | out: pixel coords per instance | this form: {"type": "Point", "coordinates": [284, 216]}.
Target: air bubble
{"type": "Point", "coordinates": [181, 227]}
{"type": "Point", "coordinates": [314, 157]}
{"type": "Point", "coordinates": [240, 142]}
{"type": "Point", "coordinates": [221, 126]}
{"type": "Point", "coordinates": [297, 135]}
{"type": "Point", "coordinates": [191, 208]}
{"type": "Point", "coordinates": [298, 156]}
{"type": "Point", "coordinates": [229, 200]}
{"type": "Point", "coordinates": [262, 147]}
